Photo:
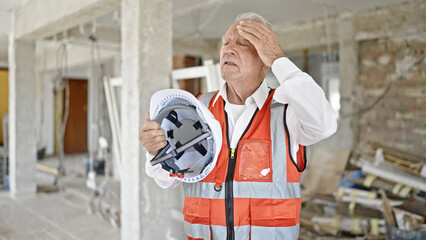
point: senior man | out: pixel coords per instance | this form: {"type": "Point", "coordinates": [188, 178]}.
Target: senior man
{"type": "Point", "coordinates": [253, 192]}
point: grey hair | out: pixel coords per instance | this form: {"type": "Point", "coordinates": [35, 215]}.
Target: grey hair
{"type": "Point", "coordinates": [255, 17]}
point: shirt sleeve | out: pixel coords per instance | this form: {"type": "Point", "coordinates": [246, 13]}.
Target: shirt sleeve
{"type": "Point", "coordinates": [161, 176]}
{"type": "Point", "coordinates": [310, 117]}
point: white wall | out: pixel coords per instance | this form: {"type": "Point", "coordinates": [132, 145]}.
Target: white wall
{"type": "Point", "coordinates": [48, 114]}
{"type": "Point", "coordinates": [5, 28]}
{"type": "Point", "coordinates": [5, 22]}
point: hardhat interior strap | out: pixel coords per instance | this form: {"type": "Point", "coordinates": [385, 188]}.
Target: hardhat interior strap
{"type": "Point", "coordinates": [173, 117]}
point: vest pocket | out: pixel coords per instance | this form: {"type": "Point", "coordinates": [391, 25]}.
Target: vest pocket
{"type": "Point", "coordinates": [197, 210]}
{"type": "Point", "coordinates": [274, 212]}
{"type": "Point", "coordinates": [197, 218]}
{"type": "Point", "coordinates": [254, 161]}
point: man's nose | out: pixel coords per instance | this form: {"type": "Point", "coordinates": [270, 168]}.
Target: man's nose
{"type": "Point", "coordinates": [230, 49]}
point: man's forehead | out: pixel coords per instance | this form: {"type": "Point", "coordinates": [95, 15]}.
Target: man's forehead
{"type": "Point", "coordinates": [232, 29]}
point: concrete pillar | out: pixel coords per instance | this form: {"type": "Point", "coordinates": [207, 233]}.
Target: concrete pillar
{"type": "Point", "coordinates": [348, 54]}
{"type": "Point", "coordinates": [94, 81]}
{"type": "Point", "coordinates": [22, 123]}
{"type": "Point", "coordinates": [148, 212]}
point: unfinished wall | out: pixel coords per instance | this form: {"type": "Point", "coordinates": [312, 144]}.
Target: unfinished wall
{"type": "Point", "coordinates": [204, 48]}
{"type": "Point", "coordinates": [399, 120]}
{"type": "Point", "coordinates": [399, 22]}
{"type": "Point", "coordinates": [4, 42]}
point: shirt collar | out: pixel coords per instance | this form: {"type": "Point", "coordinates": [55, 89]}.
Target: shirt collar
{"type": "Point", "coordinates": [259, 96]}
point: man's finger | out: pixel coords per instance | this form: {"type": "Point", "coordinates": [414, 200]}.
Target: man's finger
{"type": "Point", "coordinates": [260, 27]}
{"type": "Point", "coordinates": [147, 118]}
{"type": "Point", "coordinates": [150, 125]}
{"type": "Point", "coordinates": [154, 141]}
{"type": "Point", "coordinates": [148, 135]}
{"type": "Point", "coordinates": [154, 148]}
{"type": "Point", "coordinates": [249, 36]}
{"type": "Point", "coordinates": [251, 30]}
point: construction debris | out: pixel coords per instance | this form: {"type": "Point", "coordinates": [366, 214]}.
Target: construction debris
{"type": "Point", "coordinates": [380, 194]}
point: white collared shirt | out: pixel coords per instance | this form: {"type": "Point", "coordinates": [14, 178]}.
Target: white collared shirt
{"type": "Point", "coordinates": [310, 117]}
{"type": "Point", "coordinates": [240, 115]}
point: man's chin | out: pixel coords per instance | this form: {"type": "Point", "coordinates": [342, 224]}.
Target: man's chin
{"type": "Point", "coordinates": [230, 75]}
{"type": "Point", "coordinates": [231, 79]}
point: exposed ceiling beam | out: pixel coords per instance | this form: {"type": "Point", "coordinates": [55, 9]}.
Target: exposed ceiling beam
{"type": "Point", "coordinates": [78, 54]}
{"type": "Point", "coordinates": [37, 19]}
{"type": "Point", "coordinates": [9, 5]}
{"type": "Point", "coordinates": [102, 34]}
{"type": "Point", "coordinates": [200, 6]}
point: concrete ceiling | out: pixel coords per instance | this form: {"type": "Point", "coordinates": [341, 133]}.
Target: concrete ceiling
{"type": "Point", "coordinates": [8, 5]}
{"type": "Point", "coordinates": [211, 18]}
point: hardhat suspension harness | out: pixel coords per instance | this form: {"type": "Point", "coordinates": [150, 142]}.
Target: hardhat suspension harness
{"type": "Point", "coordinates": [188, 136]}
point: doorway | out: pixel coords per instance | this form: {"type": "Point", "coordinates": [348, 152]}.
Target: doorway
{"type": "Point", "coordinates": [75, 139]}
{"type": "Point", "coordinates": [4, 99]}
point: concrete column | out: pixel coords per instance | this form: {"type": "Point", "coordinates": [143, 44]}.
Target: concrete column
{"type": "Point", "coordinates": [348, 54]}
{"type": "Point", "coordinates": [94, 81]}
{"type": "Point", "coordinates": [148, 212]}
{"type": "Point", "coordinates": [22, 122]}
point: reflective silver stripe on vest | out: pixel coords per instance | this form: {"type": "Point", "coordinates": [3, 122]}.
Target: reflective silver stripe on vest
{"type": "Point", "coordinates": [287, 233]}
{"type": "Point", "coordinates": [272, 190]}
{"type": "Point", "coordinates": [279, 150]}
{"type": "Point", "coordinates": [242, 232]}
{"type": "Point", "coordinates": [197, 230]}
{"type": "Point", "coordinates": [206, 97]}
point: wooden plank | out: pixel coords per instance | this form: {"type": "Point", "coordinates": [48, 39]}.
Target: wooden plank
{"type": "Point", "coordinates": [323, 228]}
{"type": "Point", "coordinates": [47, 169]}
{"type": "Point", "coordinates": [408, 163]}
{"type": "Point", "coordinates": [387, 209]}
{"type": "Point", "coordinates": [326, 170]}
{"type": "Point", "coordinates": [400, 154]}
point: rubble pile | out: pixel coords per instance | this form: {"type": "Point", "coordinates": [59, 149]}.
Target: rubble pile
{"type": "Point", "coordinates": [372, 192]}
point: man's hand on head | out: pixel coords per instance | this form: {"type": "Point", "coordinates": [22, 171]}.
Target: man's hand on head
{"type": "Point", "coordinates": [263, 39]}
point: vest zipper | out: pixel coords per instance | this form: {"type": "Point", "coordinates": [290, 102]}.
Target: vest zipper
{"type": "Point", "coordinates": [232, 153]}
{"type": "Point", "coordinates": [229, 196]}
{"type": "Point", "coordinates": [229, 182]}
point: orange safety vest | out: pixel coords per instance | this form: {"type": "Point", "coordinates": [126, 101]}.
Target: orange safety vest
{"type": "Point", "coordinates": [254, 190]}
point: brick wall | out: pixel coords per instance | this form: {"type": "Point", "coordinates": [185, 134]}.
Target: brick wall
{"type": "Point", "coordinates": [399, 120]}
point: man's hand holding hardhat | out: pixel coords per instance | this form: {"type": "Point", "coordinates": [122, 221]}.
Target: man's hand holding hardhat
{"type": "Point", "coordinates": [184, 136]}
{"type": "Point", "coordinates": [151, 135]}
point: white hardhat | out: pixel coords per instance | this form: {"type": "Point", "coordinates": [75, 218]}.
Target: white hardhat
{"type": "Point", "coordinates": [194, 136]}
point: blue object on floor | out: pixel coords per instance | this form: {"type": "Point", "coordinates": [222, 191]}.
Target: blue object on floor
{"type": "Point", "coordinates": [394, 233]}
{"type": "Point", "coordinates": [351, 176]}
{"type": "Point", "coordinates": [6, 183]}
{"type": "Point", "coordinates": [98, 166]}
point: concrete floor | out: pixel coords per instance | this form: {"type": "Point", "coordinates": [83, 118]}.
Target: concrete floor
{"type": "Point", "coordinates": [60, 215]}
